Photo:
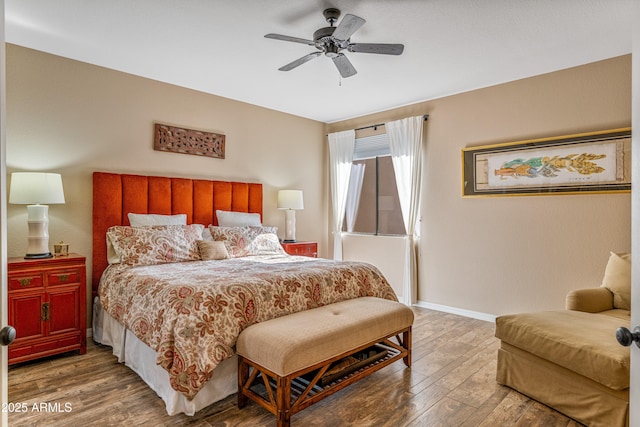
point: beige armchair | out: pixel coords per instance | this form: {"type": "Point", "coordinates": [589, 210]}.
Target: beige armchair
{"type": "Point", "coordinates": [570, 359]}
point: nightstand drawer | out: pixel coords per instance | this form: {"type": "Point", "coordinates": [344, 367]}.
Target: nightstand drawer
{"type": "Point", "coordinates": [63, 277]}
{"type": "Point", "coordinates": [26, 281]}
{"type": "Point", "coordinates": [309, 249]}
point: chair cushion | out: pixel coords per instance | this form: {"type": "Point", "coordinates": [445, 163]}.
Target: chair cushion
{"type": "Point", "coordinates": [584, 343]}
{"type": "Point", "coordinates": [290, 343]}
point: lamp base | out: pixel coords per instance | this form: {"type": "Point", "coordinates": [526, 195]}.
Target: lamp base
{"type": "Point", "coordinates": [38, 256]}
{"type": "Point", "coordinates": [38, 238]}
{"type": "Point", "coordinates": [289, 241]}
{"type": "Point", "coordinates": [290, 226]}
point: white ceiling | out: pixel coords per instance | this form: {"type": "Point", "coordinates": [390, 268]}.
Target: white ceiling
{"type": "Point", "coordinates": [218, 46]}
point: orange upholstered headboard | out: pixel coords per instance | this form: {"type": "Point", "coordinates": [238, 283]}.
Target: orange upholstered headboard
{"type": "Point", "coordinates": [116, 195]}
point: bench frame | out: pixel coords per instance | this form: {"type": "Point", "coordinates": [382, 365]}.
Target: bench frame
{"type": "Point", "coordinates": [284, 396]}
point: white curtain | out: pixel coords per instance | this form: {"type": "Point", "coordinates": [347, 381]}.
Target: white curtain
{"type": "Point", "coordinates": [340, 157]}
{"type": "Point", "coordinates": [353, 194]}
{"type": "Point", "coordinates": [405, 143]}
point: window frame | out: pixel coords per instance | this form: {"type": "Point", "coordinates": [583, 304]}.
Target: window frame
{"type": "Point", "coordinates": [368, 147]}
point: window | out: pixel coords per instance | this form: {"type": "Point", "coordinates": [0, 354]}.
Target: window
{"type": "Point", "coordinates": [373, 206]}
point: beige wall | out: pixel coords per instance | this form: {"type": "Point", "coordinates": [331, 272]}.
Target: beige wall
{"type": "Point", "coordinates": [73, 118]}
{"type": "Point", "coordinates": [499, 255]}
{"type": "Point", "coordinates": [385, 252]}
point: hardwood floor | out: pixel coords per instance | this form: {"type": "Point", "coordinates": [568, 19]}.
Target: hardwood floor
{"type": "Point", "coordinates": [451, 383]}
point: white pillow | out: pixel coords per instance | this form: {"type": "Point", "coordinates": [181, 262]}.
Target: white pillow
{"type": "Point", "coordinates": [237, 219]}
{"type": "Point", "coordinates": [142, 220]}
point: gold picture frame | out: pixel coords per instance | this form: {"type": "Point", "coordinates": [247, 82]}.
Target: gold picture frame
{"type": "Point", "coordinates": [592, 162]}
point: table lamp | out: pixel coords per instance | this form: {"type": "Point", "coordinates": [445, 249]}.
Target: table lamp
{"type": "Point", "coordinates": [290, 200]}
{"type": "Point", "coordinates": [37, 189]}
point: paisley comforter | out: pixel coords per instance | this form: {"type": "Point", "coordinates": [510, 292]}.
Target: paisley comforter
{"type": "Point", "coordinates": [191, 313]}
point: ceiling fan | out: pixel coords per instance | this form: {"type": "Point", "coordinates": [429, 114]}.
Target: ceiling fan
{"type": "Point", "coordinates": [331, 41]}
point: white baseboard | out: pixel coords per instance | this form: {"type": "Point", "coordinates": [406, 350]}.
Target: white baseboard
{"type": "Point", "coordinates": [459, 311]}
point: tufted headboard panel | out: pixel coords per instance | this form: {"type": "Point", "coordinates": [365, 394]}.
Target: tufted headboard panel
{"type": "Point", "coordinates": [116, 195]}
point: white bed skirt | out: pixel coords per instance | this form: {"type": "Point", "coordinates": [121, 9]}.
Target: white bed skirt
{"type": "Point", "coordinates": [142, 360]}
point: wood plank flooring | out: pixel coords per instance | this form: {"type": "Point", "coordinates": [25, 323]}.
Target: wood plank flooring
{"type": "Point", "coordinates": [451, 383]}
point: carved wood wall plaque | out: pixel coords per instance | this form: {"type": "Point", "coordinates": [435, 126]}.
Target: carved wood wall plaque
{"type": "Point", "coordinates": [188, 141]}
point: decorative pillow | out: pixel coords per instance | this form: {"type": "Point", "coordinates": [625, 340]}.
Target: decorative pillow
{"type": "Point", "coordinates": [237, 219]}
{"type": "Point", "coordinates": [142, 220]}
{"type": "Point", "coordinates": [212, 250]}
{"type": "Point", "coordinates": [617, 278]}
{"type": "Point", "coordinates": [248, 240]}
{"type": "Point", "coordinates": [156, 244]}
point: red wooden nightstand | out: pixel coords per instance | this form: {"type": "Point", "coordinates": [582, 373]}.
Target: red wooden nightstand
{"type": "Point", "coordinates": [47, 306]}
{"type": "Point", "coordinates": [301, 248]}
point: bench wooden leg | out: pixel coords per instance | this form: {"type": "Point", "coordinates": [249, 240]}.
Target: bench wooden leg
{"type": "Point", "coordinates": [283, 401]}
{"type": "Point", "coordinates": [406, 343]}
{"type": "Point", "coordinates": [243, 376]}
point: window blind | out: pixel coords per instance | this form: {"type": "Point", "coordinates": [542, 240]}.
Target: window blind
{"type": "Point", "coordinates": [370, 147]}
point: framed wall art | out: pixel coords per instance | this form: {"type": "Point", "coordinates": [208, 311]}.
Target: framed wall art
{"type": "Point", "coordinates": [594, 162]}
{"type": "Point", "coordinates": [188, 141]}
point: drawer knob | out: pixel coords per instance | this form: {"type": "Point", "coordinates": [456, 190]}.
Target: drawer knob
{"type": "Point", "coordinates": [25, 281]}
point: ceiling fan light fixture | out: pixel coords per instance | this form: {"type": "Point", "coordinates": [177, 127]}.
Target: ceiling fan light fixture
{"type": "Point", "coordinates": [331, 51]}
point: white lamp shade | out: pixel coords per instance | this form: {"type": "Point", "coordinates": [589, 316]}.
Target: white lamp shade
{"type": "Point", "coordinates": [31, 188]}
{"type": "Point", "coordinates": [290, 199]}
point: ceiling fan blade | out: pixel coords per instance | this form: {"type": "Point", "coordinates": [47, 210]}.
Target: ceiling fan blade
{"type": "Point", "coordinates": [380, 48]}
{"type": "Point", "coordinates": [344, 66]}
{"type": "Point", "coordinates": [290, 39]}
{"type": "Point", "coordinates": [300, 61]}
{"type": "Point", "coordinates": [348, 26]}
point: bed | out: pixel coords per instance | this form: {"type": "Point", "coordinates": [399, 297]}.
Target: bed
{"type": "Point", "coordinates": [171, 299]}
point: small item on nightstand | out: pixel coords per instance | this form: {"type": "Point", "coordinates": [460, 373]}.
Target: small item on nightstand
{"type": "Point", "coordinates": [61, 249]}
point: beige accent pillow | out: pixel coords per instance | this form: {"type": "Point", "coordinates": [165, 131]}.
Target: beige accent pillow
{"type": "Point", "coordinates": [617, 278]}
{"type": "Point", "coordinates": [210, 250]}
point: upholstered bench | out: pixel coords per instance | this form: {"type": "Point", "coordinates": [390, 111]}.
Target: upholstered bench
{"type": "Point", "coordinates": [284, 363]}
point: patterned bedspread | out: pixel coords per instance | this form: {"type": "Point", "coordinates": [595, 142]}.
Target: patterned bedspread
{"type": "Point", "coordinates": [191, 313]}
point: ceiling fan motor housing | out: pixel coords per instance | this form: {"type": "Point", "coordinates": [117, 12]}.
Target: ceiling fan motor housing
{"type": "Point", "coordinates": [326, 43]}
{"type": "Point", "coordinates": [322, 33]}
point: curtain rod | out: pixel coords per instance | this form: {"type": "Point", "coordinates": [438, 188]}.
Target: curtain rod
{"type": "Point", "coordinates": [425, 117]}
